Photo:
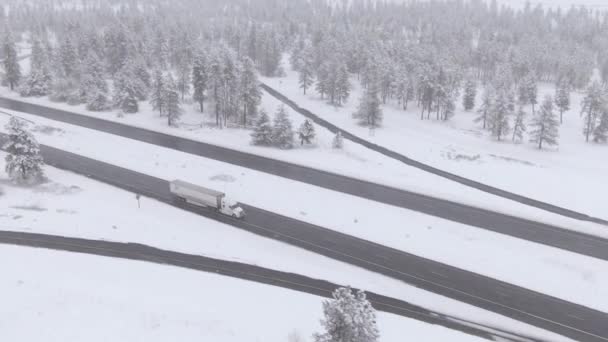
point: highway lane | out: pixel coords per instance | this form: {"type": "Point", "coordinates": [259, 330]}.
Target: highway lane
{"type": "Point", "coordinates": [481, 218]}
{"type": "Point", "coordinates": [292, 281]}
{"type": "Point", "coordinates": [562, 317]}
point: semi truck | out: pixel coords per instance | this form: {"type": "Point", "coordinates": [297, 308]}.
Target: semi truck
{"type": "Point", "coordinates": [201, 196]}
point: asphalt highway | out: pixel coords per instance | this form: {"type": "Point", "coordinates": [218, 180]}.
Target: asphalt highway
{"type": "Point", "coordinates": [572, 320]}
{"type": "Point", "coordinates": [497, 222]}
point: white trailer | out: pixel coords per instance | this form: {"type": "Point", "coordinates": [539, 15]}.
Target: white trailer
{"type": "Point", "coordinates": [198, 195]}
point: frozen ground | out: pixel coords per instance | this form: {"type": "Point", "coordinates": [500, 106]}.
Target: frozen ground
{"type": "Point", "coordinates": [565, 275]}
{"type": "Point", "coordinates": [72, 205]}
{"type": "Point", "coordinates": [91, 298]}
{"type": "Point", "coordinates": [572, 175]}
{"type": "Point", "coordinates": [353, 160]}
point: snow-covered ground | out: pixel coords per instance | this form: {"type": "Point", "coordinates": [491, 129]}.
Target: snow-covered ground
{"type": "Point", "coordinates": [513, 260]}
{"type": "Point", "coordinates": [572, 175]}
{"type": "Point", "coordinates": [92, 298]}
{"type": "Point", "coordinates": [72, 205]}
{"type": "Point", "coordinates": [353, 160]}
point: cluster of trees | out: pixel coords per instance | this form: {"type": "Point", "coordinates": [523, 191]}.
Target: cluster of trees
{"type": "Point", "coordinates": [280, 132]}
{"type": "Point", "coordinates": [123, 63]}
{"type": "Point", "coordinates": [24, 163]}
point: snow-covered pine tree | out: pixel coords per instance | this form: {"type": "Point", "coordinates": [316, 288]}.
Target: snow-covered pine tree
{"type": "Point", "coordinates": [338, 141]}
{"type": "Point", "coordinates": [591, 108]}
{"type": "Point", "coordinates": [498, 118]}
{"type": "Point", "coordinates": [486, 106]}
{"type": "Point", "coordinates": [470, 92]}
{"type": "Point", "coordinates": [12, 70]}
{"type": "Point", "coordinates": [200, 79]}
{"type": "Point", "coordinates": [519, 125]}
{"type": "Point", "coordinates": [600, 134]}
{"type": "Point", "coordinates": [125, 93]}
{"type": "Point", "coordinates": [562, 99]}
{"type": "Point", "coordinates": [159, 89]}
{"type": "Point", "coordinates": [23, 160]}
{"type": "Point", "coordinates": [171, 101]}
{"type": "Point", "coordinates": [322, 79]}
{"type": "Point", "coordinates": [282, 131]}
{"type": "Point", "coordinates": [98, 100]}
{"type": "Point", "coordinates": [93, 79]}
{"type": "Point", "coordinates": [251, 94]}
{"type": "Point", "coordinates": [348, 317]}
{"type": "Point", "coordinates": [306, 132]}
{"type": "Point", "coordinates": [183, 77]}
{"type": "Point", "coordinates": [37, 83]}
{"type": "Point", "coordinates": [262, 132]}
{"type": "Point", "coordinates": [369, 112]}
{"type": "Point", "coordinates": [545, 125]}
{"type": "Point", "coordinates": [532, 91]}
{"type": "Point", "coordinates": [68, 57]}
{"type": "Point", "coordinates": [306, 70]}
{"type": "Point", "coordinates": [342, 84]}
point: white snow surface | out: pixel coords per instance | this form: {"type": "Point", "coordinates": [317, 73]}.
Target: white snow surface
{"type": "Point", "coordinates": [562, 274]}
{"type": "Point", "coordinates": [75, 206]}
{"type": "Point", "coordinates": [91, 298]}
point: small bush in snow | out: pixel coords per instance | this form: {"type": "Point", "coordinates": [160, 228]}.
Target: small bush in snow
{"type": "Point", "coordinates": [338, 142]}
{"type": "Point", "coordinates": [306, 132]}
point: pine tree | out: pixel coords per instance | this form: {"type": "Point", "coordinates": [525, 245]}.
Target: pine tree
{"type": "Point", "coordinates": [306, 71]}
{"type": "Point", "coordinates": [342, 85]}
{"type": "Point", "coordinates": [251, 95]}
{"type": "Point", "coordinates": [306, 132]}
{"type": "Point", "coordinates": [171, 102]}
{"type": "Point", "coordinates": [562, 99]}
{"type": "Point", "coordinates": [68, 57]}
{"type": "Point", "coordinates": [470, 92]}
{"type": "Point", "coordinates": [532, 91]}
{"type": "Point", "coordinates": [338, 141]}
{"type": "Point", "coordinates": [519, 126]}
{"type": "Point", "coordinates": [282, 131]}
{"type": "Point", "coordinates": [600, 134]}
{"type": "Point", "coordinates": [545, 125]}
{"type": "Point", "coordinates": [37, 83]}
{"type": "Point", "coordinates": [200, 79]}
{"type": "Point", "coordinates": [486, 106]}
{"type": "Point", "coordinates": [125, 93]}
{"type": "Point", "coordinates": [159, 90]}
{"type": "Point", "coordinates": [348, 317]}
{"type": "Point", "coordinates": [12, 70]}
{"type": "Point", "coordinates": [322, 80]}
{"type": "Point", "coordinates": [262, 133]}
{"type": "Point", "coordinates": [591, 108]}
{"type": "Point", "coordinates": [183, 77]}
{"type": "Point", "coordinates": [23, 160]}
{"type": "Point", "coordinates": [93, 79]}
{"type": "Point", "coordinates": [500, 112]}
{"type": "Point", "coordinates": [369, 112]}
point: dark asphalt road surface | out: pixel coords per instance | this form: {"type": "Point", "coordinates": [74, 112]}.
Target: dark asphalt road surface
{"type": "Point", "coordinates": [562, 317]}
{"type": "Point", "coordinates": [139, 252]}
{"type": "Point", "coordinates": [481, 218]}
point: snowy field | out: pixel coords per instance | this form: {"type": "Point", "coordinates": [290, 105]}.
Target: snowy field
{"type": "Point", "coordinates": [353, 160]}
{"type": "Point", "coordinates": [118, 300]}
{"type": "Point", "coordinates": [72, 205]}
{"type": "Point", "coordinates": [462, 147]}
{"type": "Point", "coordinates": [513, 260]}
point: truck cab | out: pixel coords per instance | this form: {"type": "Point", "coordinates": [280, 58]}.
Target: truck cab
{"type": "Point", "coordinates": [232, 209]}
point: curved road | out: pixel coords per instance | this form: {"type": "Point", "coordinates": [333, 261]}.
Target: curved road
{"type": "Point", "coordinates": [553, 314]}
{"type": "Point", "coordinates": [481, 218]}
{"type": "Point", "coordinates": [292, 281]}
